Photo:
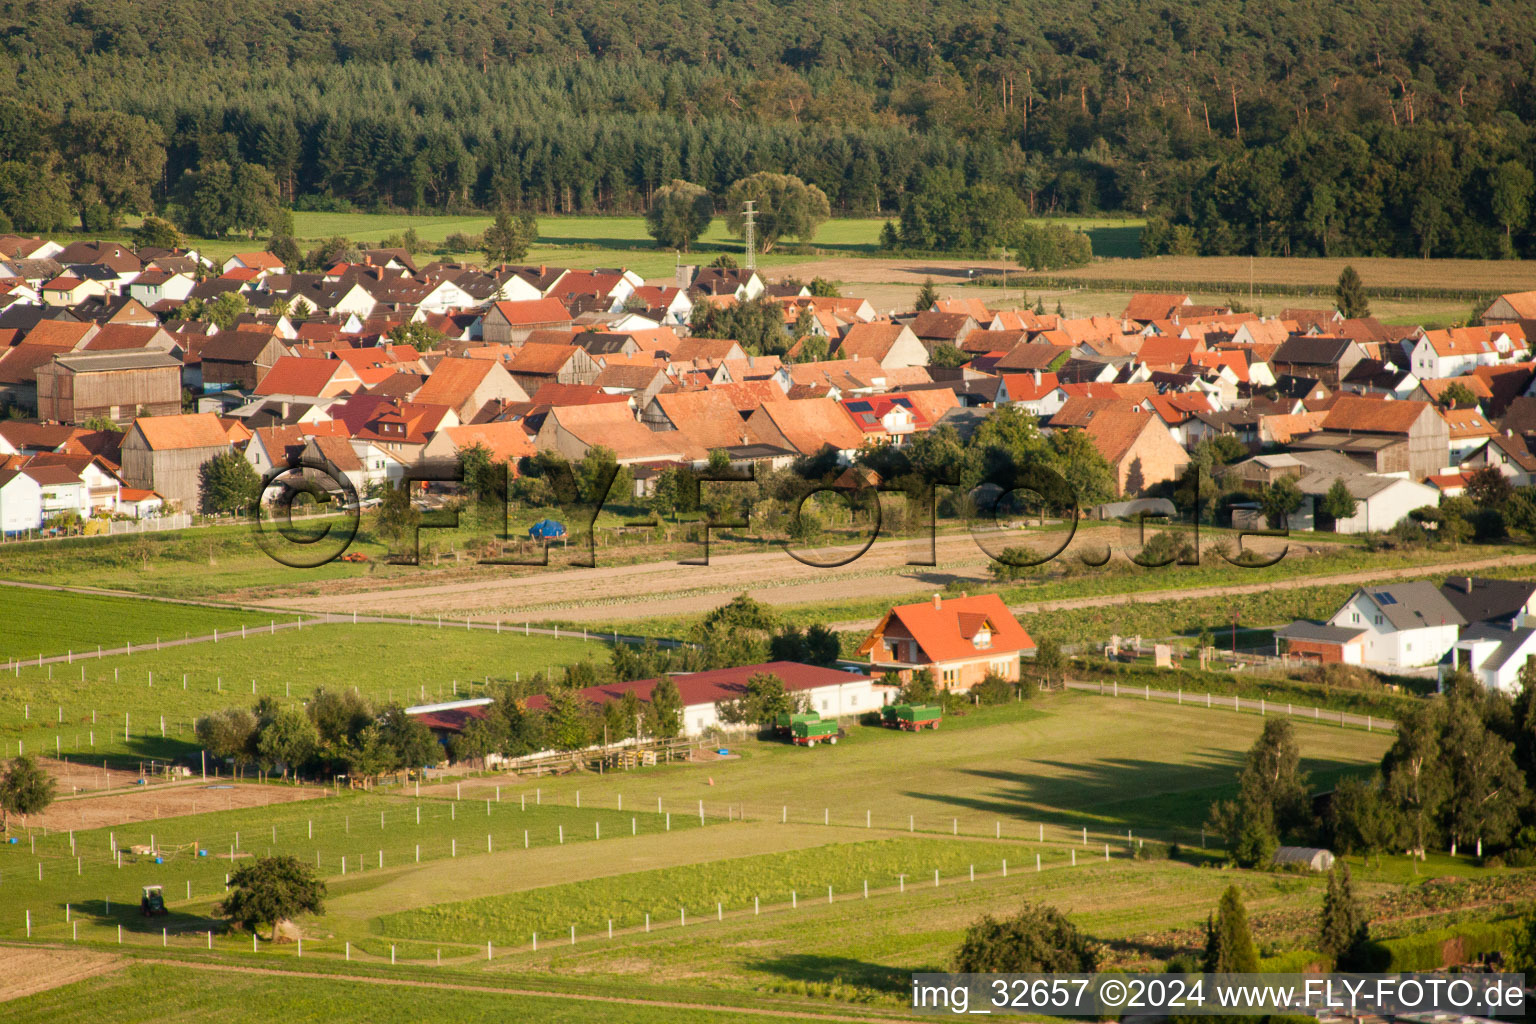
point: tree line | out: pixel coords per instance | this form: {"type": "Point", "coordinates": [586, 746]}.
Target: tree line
{"type": "Point", "coordinates": [1307, 133]}
{"type": "Point", "coordinates": [1458, 777]}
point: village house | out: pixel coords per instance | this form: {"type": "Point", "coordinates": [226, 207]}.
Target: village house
{"type": "Point", "coordinates": [469, 385]}
{"type": "Point", "coordinates": [886, 345]}
{"type": "Point", "coordinates": [961, 640]}
{"type": "Point", "coordinates": [1395, 627]}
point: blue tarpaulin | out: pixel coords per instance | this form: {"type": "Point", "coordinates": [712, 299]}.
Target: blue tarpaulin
{"type": "Point", "coordinates": [546, 528]}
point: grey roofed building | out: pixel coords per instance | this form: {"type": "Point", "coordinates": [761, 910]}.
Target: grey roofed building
{"type": "Point", "coordinates": [1414, 605]}
{"type": "Point", "coordinates": [1510, 641]}
{"type": "Point", "coordinates": [1307, 629]}
{"type": "Point", "coordinates": [1486, 600]}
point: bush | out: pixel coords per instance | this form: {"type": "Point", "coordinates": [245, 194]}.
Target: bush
{"type": "Point", "coordinates": [1442, 947]}
{"type": "Point", "coordinates": [994, 689]}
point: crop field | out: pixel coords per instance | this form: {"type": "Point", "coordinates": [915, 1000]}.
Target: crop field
{"type": "Point", "coordinates": [708, 889]}
{"type": "Point", "coordinates": [84, 704]}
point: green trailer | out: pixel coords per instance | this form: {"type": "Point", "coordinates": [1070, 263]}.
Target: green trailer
{"type": "Point", "coordinates": [912, 717]}
{"type": "Point", "coordinates": [823, 730]}
{"type": "Point", "coordinates": [785, 723]}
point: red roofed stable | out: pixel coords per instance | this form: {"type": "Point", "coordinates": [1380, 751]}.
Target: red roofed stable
{"type": "Point", "coordinates": [961, 640]}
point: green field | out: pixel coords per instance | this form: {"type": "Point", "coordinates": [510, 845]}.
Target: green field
{"type": "Point", "coordinates": [182, 995]}
{"type": "Point", "coordinates": [78, 868]}
{"type": "Point", "coordinates": [1064, 761]}
{"type": "Point", "coordinates": [708, 890]}
{"type": "Point", "coordinates": [411, 664]}
{"type": "Point", "coordinates": [1057, 764]}
{"type": "Point", "coordinates": [47, 622]}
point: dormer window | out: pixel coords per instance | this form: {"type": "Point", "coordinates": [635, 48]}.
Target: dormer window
{"type": "Point", "coordinates": [982, 639]}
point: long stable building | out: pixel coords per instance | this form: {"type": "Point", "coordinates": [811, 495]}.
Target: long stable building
{"type": "Point", "coordinates": [830, 692]}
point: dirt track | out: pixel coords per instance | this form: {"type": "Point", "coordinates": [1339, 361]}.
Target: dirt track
{"type": "Point", "coordinates": [666, 588]}
{"type": "Point", "coordinates": [658, 589]}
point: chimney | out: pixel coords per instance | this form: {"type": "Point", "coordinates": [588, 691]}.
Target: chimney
{"type": "Point", "coordinates": [937, 602]}
{"type": "Point", "coordinates": [1461, 583]}
{"type": "Point", "coordinates": [1037, 378]}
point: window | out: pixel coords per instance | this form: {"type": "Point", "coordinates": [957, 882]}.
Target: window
{"type": "Point", "coordinates": [823, 705]}
{"type": "Point", "coordinates": [1378, 620]}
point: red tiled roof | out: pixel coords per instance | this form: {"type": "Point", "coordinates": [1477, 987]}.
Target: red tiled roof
{"type": "Point", "coordinates": [714, 685]}
{"type": "Point", "coordinates": [191, 430]}
{"type": "Point", "coordinates": [944, 628]}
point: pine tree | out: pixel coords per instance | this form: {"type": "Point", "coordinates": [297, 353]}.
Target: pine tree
{"type": "Point", "coordinates": [1228, 943]}
{"type": "Point", "coordinates": [1350, 295]}
{"type": "Point", "coordinates": [927, 295]}
{"type": "Point", "coordinates": [1344, 931]}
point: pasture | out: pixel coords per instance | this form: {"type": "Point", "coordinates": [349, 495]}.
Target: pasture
{"type": "Point", "coordinates": [771, 831]}
{"type": "Point", "coordinates": [1064, 761]}
{"type": "Point", "coordinates": [50, 622]}
{"type": "Point", "coordinates": [84, 704]}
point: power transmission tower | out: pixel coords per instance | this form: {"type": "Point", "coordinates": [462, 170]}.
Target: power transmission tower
{"type": "Point", "coordinates": [750, 232]}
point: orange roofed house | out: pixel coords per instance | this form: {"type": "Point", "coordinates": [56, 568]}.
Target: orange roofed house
{"type": "Point", "coordinates": [959, 639]}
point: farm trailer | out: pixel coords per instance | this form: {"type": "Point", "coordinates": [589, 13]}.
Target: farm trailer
{"type": "Point", "coordinates": [808, 734]}
{"type": "Point", "coordinates": [911, 717]}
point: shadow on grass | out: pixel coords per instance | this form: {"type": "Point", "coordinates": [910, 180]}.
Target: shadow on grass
{"type": "Point", "coordinates": [837, 970]}
{"type": "Point", "coordinates": [1131, 792]}
{"type": "Point", "coordinates": [134, 921]}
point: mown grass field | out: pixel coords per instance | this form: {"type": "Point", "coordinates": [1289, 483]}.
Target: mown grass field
{"type": "Point", "coordinates": [1064, 761]}
{"type": "Point", "coordinates": [410, 664]}
{"type": "Point", "coordinates": [47, 622]}
{"type": "Point", "coordinates": [1494, 276]}
{"type": "Point", "coordinates": [175, 994]}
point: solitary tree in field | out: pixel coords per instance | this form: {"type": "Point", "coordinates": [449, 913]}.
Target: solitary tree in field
{"type": "Point", "coordinates": [24, 789]}
{"type": "Point", "coordinates": [679, 214]}
{"type": "Point", "coordinates": [1228, 943]}
{"type": "Point", "coordinates": [1036, 940]}
{"type": "Point", "coordinates": [396, 518]}
{"type": "Point", "coordinates": [228, 734]}
{"type": "Point", "coordinates": [272, 890]}
{"type": "Point", "coordinates": [1350, 295]}
{"type": "Point", "coordinates": [786, 207]}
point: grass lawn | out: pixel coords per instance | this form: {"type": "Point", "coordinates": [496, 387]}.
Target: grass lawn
{"type": "Point", "coordinates": [172, 994]}
{"type": "Point", "coordinates": [51, 622]}
{"type": "Point", "coordinates": [412, 664]}
{"type": "Point", "coordinates": [1065, 761]}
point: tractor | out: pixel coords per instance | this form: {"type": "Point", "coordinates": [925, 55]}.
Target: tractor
{"type": "Point", "coordinates": [152, 903]}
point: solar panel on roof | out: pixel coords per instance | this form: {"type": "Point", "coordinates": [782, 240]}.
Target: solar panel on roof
{"type": "Point", "coordinates": [859, 407]}
{"type": "Point", "coordinates": [1384, 598]}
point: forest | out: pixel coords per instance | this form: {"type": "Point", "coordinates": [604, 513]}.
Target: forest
{"type": "Point", "coordinates": [1373, 127]}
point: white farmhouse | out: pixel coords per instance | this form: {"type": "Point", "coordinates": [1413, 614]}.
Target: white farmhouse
{"type": "Point", "coordinates": [1408, 625]}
